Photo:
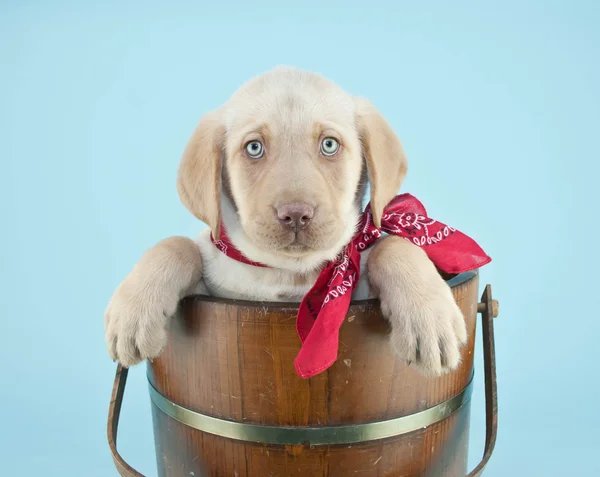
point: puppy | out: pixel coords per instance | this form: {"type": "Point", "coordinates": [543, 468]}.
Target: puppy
{"type": "Point", "coordinates": [284, 166]}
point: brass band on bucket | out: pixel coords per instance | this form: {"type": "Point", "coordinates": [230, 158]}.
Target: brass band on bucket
{"type": "Point", "coordinates": [314, 436]}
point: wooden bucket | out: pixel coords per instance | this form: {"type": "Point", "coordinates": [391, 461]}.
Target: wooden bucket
{"type": "Point", "coordinates": [227, 402]}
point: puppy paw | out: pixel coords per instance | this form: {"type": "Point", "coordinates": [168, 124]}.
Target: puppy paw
{"type": "Point", "coordinates": [428, 327]}
{"type": "Point", "coordinates": [136, 321]}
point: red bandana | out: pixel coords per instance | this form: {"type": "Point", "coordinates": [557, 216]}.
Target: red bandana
{"type": "Point", "coordinates": [324, 307]}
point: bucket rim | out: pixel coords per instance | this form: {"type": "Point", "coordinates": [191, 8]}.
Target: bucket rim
{"type": "Point", "coordinates": [453, 282]}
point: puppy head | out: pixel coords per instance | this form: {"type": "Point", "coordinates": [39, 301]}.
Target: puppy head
{"type": "Point", "coordinates": [282, 164]}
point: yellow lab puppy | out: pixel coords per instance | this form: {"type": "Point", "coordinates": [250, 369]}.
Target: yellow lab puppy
{"type": "Point", "coordinates": [284, 165]}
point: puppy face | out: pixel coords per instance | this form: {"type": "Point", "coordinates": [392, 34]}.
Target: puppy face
{"type": "Point", "coordinates": [283, 164]}
{"type": "Point", "coordinates": [293, 163]}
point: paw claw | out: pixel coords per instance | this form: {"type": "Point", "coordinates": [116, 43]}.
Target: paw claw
{"type": "Point", "coordinates": [136, 322]}
{"type": "Point", "coordinates": [427, 333]}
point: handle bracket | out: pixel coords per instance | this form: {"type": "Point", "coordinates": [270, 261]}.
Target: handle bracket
{"type": "Point", "coordinates": [489, 310]}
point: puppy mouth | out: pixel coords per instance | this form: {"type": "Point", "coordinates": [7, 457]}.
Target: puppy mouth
{"type": "Point", "coordinates": [296, 246]}
{"type": "Point", "coordinates": [293, 243]}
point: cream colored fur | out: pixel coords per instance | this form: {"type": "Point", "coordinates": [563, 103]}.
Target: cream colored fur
{"type": "Point", "coordinates": [289, 112]}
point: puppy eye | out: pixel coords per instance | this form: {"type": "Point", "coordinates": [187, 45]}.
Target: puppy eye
{"type": "Point", "coordinates": [255, 149]}
{"type": "Point", "coordinates": [329, 146]}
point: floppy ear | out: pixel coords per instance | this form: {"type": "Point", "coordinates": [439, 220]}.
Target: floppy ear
{"type": "Point", "coordinates": [384, 155]}
{"type": "Point", "coordinates": [199, 177]}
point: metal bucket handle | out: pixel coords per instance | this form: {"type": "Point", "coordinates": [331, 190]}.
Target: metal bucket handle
{"type": "Point", "coordinates": [488, 307]}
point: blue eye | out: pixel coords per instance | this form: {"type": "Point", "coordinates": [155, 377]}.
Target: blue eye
{"type": "Point", "coordinates": [255, 149]}
{"type": "Point", "coordinates": [329, 146]}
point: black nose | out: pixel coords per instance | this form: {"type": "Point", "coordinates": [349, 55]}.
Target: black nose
{"type": "Point", "coordinates": [296, 215]}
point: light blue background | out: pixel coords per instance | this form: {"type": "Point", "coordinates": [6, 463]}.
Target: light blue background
{"type": "Point", "coordinates": [497, 104]}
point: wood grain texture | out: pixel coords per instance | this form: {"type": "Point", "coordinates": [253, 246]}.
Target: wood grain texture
{"type": "Point", "coordinates": [234, 360]}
